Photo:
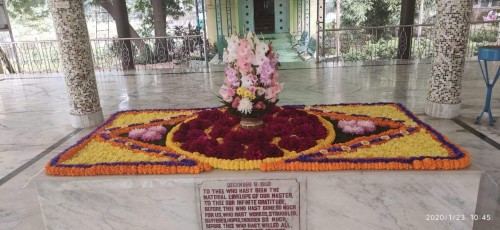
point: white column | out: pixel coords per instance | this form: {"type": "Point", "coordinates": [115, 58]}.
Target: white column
{"type": "Point", "coordinates": [76, 59]}
{"type": "Point", "coordinates": [450, 45]}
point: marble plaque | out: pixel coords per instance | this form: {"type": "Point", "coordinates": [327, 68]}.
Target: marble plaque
{"type": "Point", "coordinates": [250, 204]}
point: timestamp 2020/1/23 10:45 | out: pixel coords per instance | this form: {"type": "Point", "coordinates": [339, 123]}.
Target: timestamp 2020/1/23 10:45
{"type": "Point", "coordinates": [451, 217]}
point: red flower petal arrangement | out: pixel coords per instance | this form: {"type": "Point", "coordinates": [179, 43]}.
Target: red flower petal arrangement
{"type": "Point", "coordinates": [322, 137]}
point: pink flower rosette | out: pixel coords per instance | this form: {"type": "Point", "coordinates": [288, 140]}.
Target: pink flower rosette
{"type": "Point", "coordinates": [251, 84]}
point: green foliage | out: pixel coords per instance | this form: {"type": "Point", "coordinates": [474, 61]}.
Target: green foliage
{"type": "Point", "coordinates": [353, 55]}
{"type": "Point", "coordinates": [28, 9]}
{"type": "Point", "coordinates": [30, 13]}
{"type": "Point", "coordinates": [483, 36]}
{"type": "Point", "coordinates": [354, 12]}
{"type": "Point", "coordinates": [143, 10]}
{"type": "Point", "coordinates": [422, 49]}
{"type": "Point", "coordinates": [387, 50]}
{"type": "Point", "coordinates": [145, 57]}
{"type": "Point", "coordinates": [382, 49]}
{"type": "Point", "coordinates": [379, 14]}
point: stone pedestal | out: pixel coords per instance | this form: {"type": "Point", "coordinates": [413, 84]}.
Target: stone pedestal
{"type": "Point", "coordinates": [328, 200]}
{"type": "Point", "coordinates": [451, 34]}
{"type": "Point", "coordinates": [76, 60]}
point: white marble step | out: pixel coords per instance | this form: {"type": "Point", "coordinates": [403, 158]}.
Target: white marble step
{"type": "Point", "coordinates": [327, 200]}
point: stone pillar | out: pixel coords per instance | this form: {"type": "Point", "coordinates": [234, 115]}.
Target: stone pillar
{"type": "Point", "coordinates": [451, 34]}
{"type": "Point", "coordinates": [76, 60]}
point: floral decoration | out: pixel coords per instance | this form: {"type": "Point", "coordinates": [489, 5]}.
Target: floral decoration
{"type": "Point", "coordinates": [251, 85]}
{"type": "Point", "coordinates": [217, 134]}
{"type": "Point", "coordinates": [154, 133]}
{"type": "Point", "coordinates": [312, 138]}
{"type": "Point", "coordinates": [356, 127]}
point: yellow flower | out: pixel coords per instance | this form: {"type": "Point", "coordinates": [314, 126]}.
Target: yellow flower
{"type": "Point", "coordinates": [244, 92]}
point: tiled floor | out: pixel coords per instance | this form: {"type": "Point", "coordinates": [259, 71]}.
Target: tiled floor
{"type": "Point", "coordinates": [34, 115]}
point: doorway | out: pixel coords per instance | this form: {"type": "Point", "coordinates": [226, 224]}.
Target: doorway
{"type": "Point", "coordinates": [264, 16]}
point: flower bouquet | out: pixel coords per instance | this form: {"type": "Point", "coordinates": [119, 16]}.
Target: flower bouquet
{"type": "Point", "coordinates": [251, 86]}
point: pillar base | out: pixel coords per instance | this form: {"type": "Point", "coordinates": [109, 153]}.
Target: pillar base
{"type": "Point", "coordinates": [87, 121]}
{"type": "Point", "coordinates": [447, 111]}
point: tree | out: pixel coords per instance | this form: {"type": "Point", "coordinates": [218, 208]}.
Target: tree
{"type": "Point", "coordinates": [160, 28]}
{"type": "Point", "coordinates": [153, 14]}
{"type": "Point", "coordinates": [159, 18]}
{"type": "Point", "coordinates": [108, 6]}
{"type": "Point", "coordinates": [355, 13]}
{"type": "Point", "coordinates": [28, 9]}
{"type": "Point", "coordinates": [380, 15]}
{"type": "Point", "coordinates": [337, 26]}
{"type": "Point", "coordinates": [30, 13]}
{"type": "Point", "coordinates": [145, 10]}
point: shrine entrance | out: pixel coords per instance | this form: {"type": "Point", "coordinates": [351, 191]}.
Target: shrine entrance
{"type": "Point", "coordinates": [264, 16]}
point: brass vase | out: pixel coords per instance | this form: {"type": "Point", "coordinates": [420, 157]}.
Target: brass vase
{"type": "Point", "coordinates": [251, 123]}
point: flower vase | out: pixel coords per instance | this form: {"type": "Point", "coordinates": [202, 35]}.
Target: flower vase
{"type": "Point", "coordinates": [251, 123]}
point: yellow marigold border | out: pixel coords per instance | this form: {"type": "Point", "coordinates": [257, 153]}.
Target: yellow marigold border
{"type": "Point", "coordinates": [458, 157]}
{"type": "Point", "coordinates": [56, 166]}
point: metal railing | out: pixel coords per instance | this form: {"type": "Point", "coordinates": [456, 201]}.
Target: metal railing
{"type": "Point", "coordinates": [173, 52]}
{"type": "Point", "coordinates": [382, 42]}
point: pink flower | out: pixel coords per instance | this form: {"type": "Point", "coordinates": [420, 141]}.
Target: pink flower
{"type": "Point", "coordinates": [231, 77]}
{"type": "Point", "coordinates": [151, 136]}
{"type": "Point", "coordinates": [245, 57]}
{"type": "Point", "coordinates": [353, 130]}
{"type": "Point", "coordinates": [274, 59]}
{"type": "Point", "coordinates": [356, 127]}
{"type": "Point", "coordinates": [266, 71]}
{"type": "Point", "coordinates": [260, 105]}
{"type": "Point", "coordinates": [248, 81]}
{"type": "Point", "coordinates": [252, 65]}
{"type": "Point", "coordinates": [272, 92]}
{"type": "Point", "coordinates": [266, 80]}
{"type": "Point", "coordinates": [136, 133]}
{"type": "Point", "coordinates": [252, 89]}
{"type": "Point", "coordinates": [227, 93]}
{"type": "Point", "coordinates": [159, 129]}
{"type": "Point", "coordinates": [368, 126]}
{"type": "Point", "coordinates": [344, 123]}
{"type": "Point", "coordinates": [276, 78]}
{"type": "Point", "coordinates": [236, 102]}
{"type": "Point", "coordinates": [243, 65]}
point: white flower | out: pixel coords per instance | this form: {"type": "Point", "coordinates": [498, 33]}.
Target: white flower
{"type": "Point", "coordinates": [250, 35]}
{"type": "Point", "coordinates": [245, 106]}
{"type": "Point", "coordinates": [229, 57]}
{"type": "Point", "coordinates": [261, 49]}
{"type": "Point", "coordinates": [233, 43]}
{"type": "Point", "coordinates": [231, 54]}
{"type": "Point", "coordinates": [247, 81]}
{"type": "Point", "coordinates": [261, 91]}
